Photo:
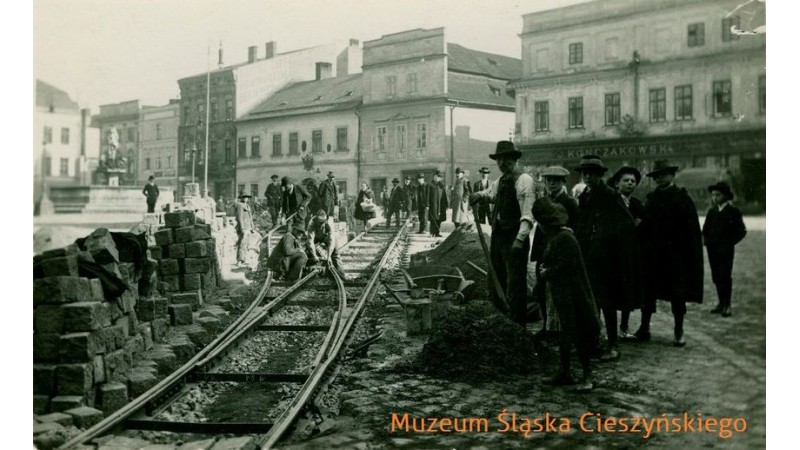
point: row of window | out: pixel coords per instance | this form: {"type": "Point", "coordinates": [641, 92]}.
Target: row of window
{"type": "Point", "coordinates": [216, 111]}
{"type": "Point", "coordinates": [158, 162]}
{"type": "Point", "coordinates": [400, 138]}
{"type": "Point", "coordinates": [684, 105]}
{"type": "Point", "coordinates": [294, 144]}
{"type": "Point", "coordinates": [63, 166]}
{"type": "Point", "coordinates": [48, 135]}
{"type": "Point", "coordinates": [695, 35]}
{"type": "Point", "coordinates": [391, 84]}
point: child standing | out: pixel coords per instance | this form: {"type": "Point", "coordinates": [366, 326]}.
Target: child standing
{"type": "Point", "coordinates": [567, 283]}
{"type": "Point", "coordinates": [722, 230]}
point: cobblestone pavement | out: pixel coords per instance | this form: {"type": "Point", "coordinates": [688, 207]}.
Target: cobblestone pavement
{"type": "Point", "coordinates": [720, 373]}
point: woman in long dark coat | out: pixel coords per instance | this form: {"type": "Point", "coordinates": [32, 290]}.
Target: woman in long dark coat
{"type": "Point", "coordinates": [363, 194]}
{"type": "Point", "coordinates": [437, 203]}
{"type": "Point", "coordinates": [565, 276]}
{"type": "Point", "coordinates": [672, 250]}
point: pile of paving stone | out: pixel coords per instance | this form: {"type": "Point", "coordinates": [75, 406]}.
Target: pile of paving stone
{"type": "Point", "coordinates": [477, 344]}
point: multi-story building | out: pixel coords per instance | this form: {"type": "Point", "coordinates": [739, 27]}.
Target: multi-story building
{"type": "Point", "coordinates": [122, 118]}
{"type": "Point", "coordinates": [638, 80]}
{"type": "Point", "coordinates": [429, 104]}
{"type": "Point", "coordinates": [63, 143]}
{"type": "Point", "coordinates": [304, 131]}
{"type": "Point", "coordinates": [233, 92]}
{"type": "Point", "coordinates": [158, 144]}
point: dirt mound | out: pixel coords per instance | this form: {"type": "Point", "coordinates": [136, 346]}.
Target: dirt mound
{"type": "Point", "coordinates": [477, 344]}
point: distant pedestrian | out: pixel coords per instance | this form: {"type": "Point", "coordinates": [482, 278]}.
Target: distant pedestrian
{"type": "Point", "coordinates": [385, 200]}
{"type": "Point", "coordinates": [409, 197]}
{"type": "Point", "coordinates": [483, 209]}
{"type": "Point", "coordinates": [288, 258]}
{"type": "Point", "coordinates": [365, 204]}
{"type": "Point", "coordinates": [438, 199]}
{"type": "Point", "coordinates": [244, 226]}
{"type": "Point", "coordinates": [221, 205]}
{"type": "Point", "coordinates": [423, 192]}
{"type": "Point", "coordinates": [459, 201]}
{"type": "Point", "coordinates": [512, 222]}
{"type": "Point", "coordinates": [150, 192]}
{"type": "Point", "coordinates": [274, 195]}
{"type": "Point", "coordinates": [672, 250]}
{"type": "Point", "coordinates": [396, 200]}
{"type": "Point", "coordinates": [564, 273]}
{"type": "Point", "coordinates": [329, 196]}
{"type": "Point", "coordinates": [722, 230]}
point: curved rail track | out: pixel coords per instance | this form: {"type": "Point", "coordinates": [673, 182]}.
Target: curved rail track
{"type": "Point", "coordinates": [363, 257]}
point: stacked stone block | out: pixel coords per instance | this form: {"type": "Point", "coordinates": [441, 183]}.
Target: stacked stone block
{"type": "Point", "coordinates": [84, 342]}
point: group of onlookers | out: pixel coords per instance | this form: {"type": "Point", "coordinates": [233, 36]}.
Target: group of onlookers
{"type": "Point", "coordinates": [605, 252]}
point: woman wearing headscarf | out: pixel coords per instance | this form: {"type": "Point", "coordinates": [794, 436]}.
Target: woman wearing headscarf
{"type": "Point", "coordinates": [365, 197]}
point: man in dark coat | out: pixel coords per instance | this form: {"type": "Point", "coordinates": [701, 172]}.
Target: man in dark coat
{"type": "Point", "coordinates": [150, 191]}
{"type": "Point", "coordinates": [423, 192]}
{"type": "Point", "coordinates": [605, 231]}
{"type": "Point", "coordinates": [329, 195]}
{"type": "Point", "coordinates": [396, 198]}
{"type": "Point", "coordinates": [722, 230]}
{"type": "Point", "coordinates": [555, 178]}
{"type": "Point", "coordinates": [672, 250]}
{"type": "Point", "coordinates": [409, 197]}
{"type": "Point", "coordinates": [563, 270]}
{"type": "Point", "coordinates": [459, 198]}
{"type": "Point", "coordinates": [483, 210]}
{"type": "Point", "coordinates": [438, 199]}
{"type": "Point", "coordinates": [274, 195]}
{"type": "Point", "coordinates": [295, 200]}
{"type": "Point", "coordinates": [512, 222]}
{"type": "Point", "coordinates": [289, 257]}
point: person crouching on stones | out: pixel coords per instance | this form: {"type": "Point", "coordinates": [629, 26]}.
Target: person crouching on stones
{"type": "Point", "coordinates": [564, 273]}
{"type": "Point", "coordinates": [289, 256]}
{"type": "Point", "coordinates": [322, 243]}
{"type": "Point", "coordinates": [722, 230]}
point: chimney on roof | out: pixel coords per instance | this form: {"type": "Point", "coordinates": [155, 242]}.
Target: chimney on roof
{"type": "Point", "coordinates": [353, 42]}
{"type": "Point", "coordinates": [220, 63]}
{"type": "Point", "coordinates": [324, 70]}
{"type": "Point", "coordinates": [272, 49]}
{"type": "Point", "coordinates": [252, 53]}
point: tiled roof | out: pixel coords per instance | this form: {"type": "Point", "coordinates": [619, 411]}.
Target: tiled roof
{"type": "Point", "coordinates": [460, 59]}
{"type": "Point", "coordinates": [47, 95]}
{"type": "Point", "coordinates": [312, 96]}
{"type": "Point", "coordinates": [477, 89]}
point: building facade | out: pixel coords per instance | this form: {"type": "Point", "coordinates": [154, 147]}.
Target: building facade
{"type": "Point", "coordinates": [303, 131]}
{"type": "Point", "coordinates": [122, 120]}
{"type": "Point", "coordinates": [429, 104]}
{"type": "Point", "coordinates": [234, 91]}
{"type": "Point", "coordinates": [63, 143]}
{"type": "Point", "coordinates": [635, 81]}
{"type": "Point", "coordinates": [158, 144]}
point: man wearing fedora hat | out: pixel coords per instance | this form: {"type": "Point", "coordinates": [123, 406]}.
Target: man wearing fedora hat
{"type": "Point", "coordinates": [329, 195]}
{"type": "Point", "coordinates": [423, 192]}
{"type": "Point", "coordinates": [438, 199]}
{"type": "Point", "coordinates": [273, 195]}
{"type": "Point", "coordinates": [512, 222]}
{"type": "Point", "coordinates": [459, 201]}
{"type": "Point", "coordinates": [672, 250]}
{"type": "Point", "coordinates": [244, 226]}
{"type": "Point", "coordinates": [483, 209]}
{"type": "Point", "coordinates": [289, 257]}
{"type": "Point", "coordinates": [151, 193]}
{"type": "Point", "coordinates": [605, 230]}
{"type": "Point", "coordinates": [555, 178]}
{"type": "Point", "coordinates": [722, 230]}
{"type": "Point", "coordinates": [396, 199]}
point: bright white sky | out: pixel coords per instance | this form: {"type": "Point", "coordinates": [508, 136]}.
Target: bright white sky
{"type": "Point", "coordinates": [107, 51]}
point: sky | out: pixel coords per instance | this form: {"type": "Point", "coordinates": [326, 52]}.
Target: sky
{"type": "Point", "coordinates": [108, 51]}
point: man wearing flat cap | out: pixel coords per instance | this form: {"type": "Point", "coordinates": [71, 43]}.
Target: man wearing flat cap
{"type": "Point", "coordinates": [438, 199]}
{"type": "Point", "coordinates": [274, 195]}
{"type": "Point", "coordinates": [459, 201]}
{"type": "Point", "coordinates": [295, 200]}
{"type": "Point", "coordinates": [605, 230]}
{"type": "Point", "coordinates": [289, 257]}
{"type": "Point", "coordinates": [555, 178]}
{"type": "Point", "coordinates": [512, 221]}
{"type": "Point", "coordinates": [722, 230]}
{"type": "Point", "coordinates": [396, 199]}
{"type": "Point", "coordinates": [423, 192]}
{"type": "Point", "coordinates": [672, 250]}
{"type": "Point", "coordinates": [329, 195]}
{"type": "Point", "coordinates": [483, 209]}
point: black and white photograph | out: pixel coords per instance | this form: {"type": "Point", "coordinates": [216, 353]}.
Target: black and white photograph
{"type": "Point", "coordinates": [380, 224]}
